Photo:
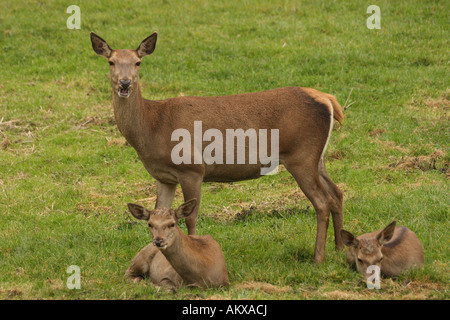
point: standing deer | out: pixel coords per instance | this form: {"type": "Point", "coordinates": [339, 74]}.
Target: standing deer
{"type": "Point", "coordinates": [392, 249]}
{"type": "Point", "coordinates": [174, 258]}
{"type": "Point", "coordinates": [304, 119]}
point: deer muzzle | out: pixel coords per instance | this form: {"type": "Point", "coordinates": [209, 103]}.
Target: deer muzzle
{"type": "Point", "coordinates": [124, 88]}
{"type": "Point", "coordinates": [159, 243]}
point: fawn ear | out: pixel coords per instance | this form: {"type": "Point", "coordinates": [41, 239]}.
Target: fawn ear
{"type": "Point", "coordinates": [348, 238]}
{"type": "Point", "coordinates": [138, 211]}
{"type": "Point", "coordinates": [185, 209]}
{"type": "Point", "coordinates": [100, 46]}
{"type": "Point", "coordinates": [147, 46]}
{"type": "Point", "coordinates": [386, 234]}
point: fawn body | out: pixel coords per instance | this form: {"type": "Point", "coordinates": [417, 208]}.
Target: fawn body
{"type": "Point", "coordinates": [174, 258]}
{"type": "Point", "coordinates": [393, 249]}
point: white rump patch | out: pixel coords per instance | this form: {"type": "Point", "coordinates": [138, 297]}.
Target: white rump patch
{"type": "Point", "coordinates": [331, 129]}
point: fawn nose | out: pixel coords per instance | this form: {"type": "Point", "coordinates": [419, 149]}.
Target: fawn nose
{"type": "Point", "coordinates": [157, 242]}
{"type": "Point", "coordinates": [125, 84]}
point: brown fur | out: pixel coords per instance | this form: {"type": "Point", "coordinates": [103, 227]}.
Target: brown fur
{"type": "Point", "coordinates": [393, 249]}
{"type": "Point", "coordinates": [180, 259]}
{"type": "Point", "coordinates": [302, 116]}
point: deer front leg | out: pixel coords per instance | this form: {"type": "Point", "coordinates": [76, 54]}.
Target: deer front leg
{"type": "Point", "coordinates": [191, 185]}
{"type": "Point", "coordinates": [164, 194]}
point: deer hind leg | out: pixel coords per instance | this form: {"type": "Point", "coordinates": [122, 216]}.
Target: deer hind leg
{"type": "Point", "coordinates": [140, 265]}
{"type": "Point", "coordinates": [308, 179]}
{"type": "Point", "coordinates": [136, 271]}
{"type": "Point", "coordinates": [336, 207]}
{"type": "Point", "coordinates": [168, 285]}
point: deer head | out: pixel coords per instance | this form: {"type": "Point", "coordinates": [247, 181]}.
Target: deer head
{"type": "Point", "coordinates": [367, 251]}
{"type": "Point", "coordinates": [124, 64]}
{"type": "Point", "coordinates": [162, 222]}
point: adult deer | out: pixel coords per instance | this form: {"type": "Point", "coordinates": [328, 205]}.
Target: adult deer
{"type": "Point", "coordinates": [303, 117]}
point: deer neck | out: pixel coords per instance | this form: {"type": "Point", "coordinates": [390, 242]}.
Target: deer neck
{"type": "Point", "coordinates": [182, 257]}
{"type": "Point", "coordinates": [129, 115]}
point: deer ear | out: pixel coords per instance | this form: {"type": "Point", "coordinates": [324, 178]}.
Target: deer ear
{"type": "Point", "coordinates": [100, 46]}
{"type": "Point", "coordinates": [386, 234]}
{"type": "Point", "coordinates": [138, 211]}
{"type": "Point", "coordinates": [185, 209]}
{"type": "Point", "coordinates": [147, 46]}
{"type": "Point", "coordinates": [348, 238]}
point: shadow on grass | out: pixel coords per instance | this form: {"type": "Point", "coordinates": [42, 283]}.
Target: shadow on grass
{"type": "Point", "coordinates": [299, 254]}
{"type": "Point", "coordinates": [253, 213]}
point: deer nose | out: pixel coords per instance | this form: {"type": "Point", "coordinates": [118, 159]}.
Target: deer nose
{"type": "Point", "coordinates": [125, 84]}
{"type": "Point", "coordinates": [157, 242]}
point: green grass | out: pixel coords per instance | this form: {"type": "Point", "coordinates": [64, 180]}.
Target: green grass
{"type": "Point", "coordinates": [66, 174]}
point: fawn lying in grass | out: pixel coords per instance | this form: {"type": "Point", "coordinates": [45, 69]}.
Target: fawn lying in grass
{"type": "Point", "coordinates": [174, 258]}
{"type": "Point", "coordinates": [393, 249]}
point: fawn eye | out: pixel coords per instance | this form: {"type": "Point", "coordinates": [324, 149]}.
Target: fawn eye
{"type": "Point", "coordinates": [360, 261]}
{"type": "Point", "coordinates": [138, 64]}
{"type": "Point", "coordinates": [150, 225]}
{"type": "Point", "coordinates": [111, 63]}
{"type": "Point", "coordinates": [172, 225]}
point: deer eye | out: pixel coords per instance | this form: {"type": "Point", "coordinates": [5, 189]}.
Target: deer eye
{"type": "Point", "coordinates": [138, 64]}
{"type": "Point", "coordinates": [172, 225]}
{"type": "Point", "coordinates": [111, 63]}
{"type": "Point", "coordinates": [360, 261]}
{"type": "Point", "coordinates": [150, 225]}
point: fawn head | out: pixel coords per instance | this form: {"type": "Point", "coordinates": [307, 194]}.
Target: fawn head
{"type": "Point", "coordinates": [124, 64]}
{"type": "Point", "coordinates": [162, 222]}
{"type": "Point", "coordinates": [367, 251]}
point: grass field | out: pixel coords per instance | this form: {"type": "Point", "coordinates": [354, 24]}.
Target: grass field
{"type": "Point", "coordinates": [66, 172]}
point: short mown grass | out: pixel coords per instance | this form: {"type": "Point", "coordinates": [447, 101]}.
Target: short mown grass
{"type": "Point", "coordinates": [66, 173]}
